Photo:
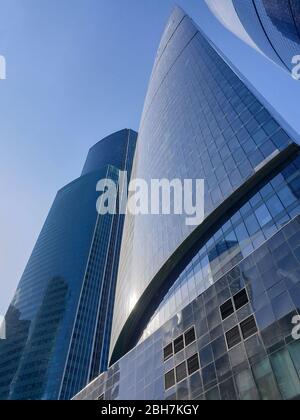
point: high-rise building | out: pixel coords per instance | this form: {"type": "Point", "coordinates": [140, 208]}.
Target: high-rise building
{"type": "Point", "coordinates": [270, 26]}
{"type": "Point", "coordinates": [206, 312]}
{"type": "Point", "coordinates": [58, 324]}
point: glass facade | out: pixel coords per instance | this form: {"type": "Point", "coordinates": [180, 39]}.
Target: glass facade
{"type": "Point", "coordinates": [272, 25]}
{"type": "Point", "coordinates": [200, 121]}
{"type": "Point", "coordinates": [206, 353]}
{"type": "Point", "coordinates": [58, 324]}
{"type": "Point", "coordinates": [266, 210]}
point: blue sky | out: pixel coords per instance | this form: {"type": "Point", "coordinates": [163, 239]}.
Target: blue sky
{"type": "Point", "coordinates": [78, 70]}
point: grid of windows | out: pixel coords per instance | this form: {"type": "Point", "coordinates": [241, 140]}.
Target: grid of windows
{"type": "Point", "coordinates": [180, 343]}
{"type": "Point", "coordinates": [262, 366]}
{"type": "Point", "coordinates": [267, 210]}
{"type": "Point", "coordinates": [88, 352]}
{"type": "Point", "coordinates": [245, 329]}
{"type": "Point", "coordinates": [174, 350]}
{"type": "Point", "coordinates": [78, 362]}
{"type": "Point", "coordinates": [182, 371]}
{"type": "Point", "coordinates": [237, 302]}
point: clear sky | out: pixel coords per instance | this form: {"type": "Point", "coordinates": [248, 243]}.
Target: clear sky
{"type": "Point", "coordinates": [78, 70]}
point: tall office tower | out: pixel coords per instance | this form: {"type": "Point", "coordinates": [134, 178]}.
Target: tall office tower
{"type": "Point", "coordinates": [270, 26]}
{"type": "Point", "coordinates": [206, 312]}
{"type": "Point", "coordinates": [59, 322]}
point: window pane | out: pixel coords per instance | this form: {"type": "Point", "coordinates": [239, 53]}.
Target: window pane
{"type": "Point", "coordinates": [263, 215]}
{"type": "Point", "coordinates": [227, 309]}
{"type": "Point", "coordinates": [193, 364]}
{"type": "Point", "coordinates": [248, 327]}
{"type": "Point", "coordinates": [233, 337]}
{"type": "Point", "coordinates": [286, 375]}
{"type": "Point", "coordinates": [170, 379]}
{"type": "Point", "coordinates": [181, 372]}
{"type": "Point", "coordinates": [252, 225]}
{"type": "Point", "coordinates": [178, 344]}
{"type": "Point", "coordinates": [295, 354]}
{"type": "Point", "coordinates": [190, 336]}
{"type": "Point", "coordinates": [246, 386]}
{"type": "Point", "coordinates": [274, 205]}
{"type": "Point", "coordinates": [168, 352]}
{"type": "Point", "coordinates": [240, 299]}
{"type": "Point", "coordinates": [265, 381]}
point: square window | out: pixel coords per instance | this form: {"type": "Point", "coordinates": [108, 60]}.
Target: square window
{"type": "Point", "coordinates": [227, 390]}
{"type": "Point", "coordinates": [260, 137]}
{"type": "Point", "coordinates": [233, 337]}
{"type": "Point", "coordinates": [248, 327]}
{"type": "Point", "coordinates": [275, 207]}
{"type": "Point", "coordinates": [240, 299]}
{"type": "Point", "coordinates": [168, 352]}
{"type": "Point", "coordinates": [190, 337]}
{"type": "Point", "coordinates": [193, 364]}
{"type": "Point", "coordinates": [227, 309]}
{"type": "Point", "coordinates": [263, 215]}
{"type": "Point", "coordinates": [178, 344]}
{"type": "Point", "coordinates": [281, 139]}
{"type": "Point", "coordinates": [181, 372]}
{"type": "Point", "coordinates": [169, 379]}
{"type": "Point", "coordinates": [209, 376]}
{"type": "Point", "coordinates": [252, 224]}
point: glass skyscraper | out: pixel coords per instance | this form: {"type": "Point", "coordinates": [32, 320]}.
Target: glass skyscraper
{"type": "Point", "coordinates": [58, 324]}
{"type": "Point", "coordinates": [270, 26]}
{"type": "Point", "coordinates": [206, 312]}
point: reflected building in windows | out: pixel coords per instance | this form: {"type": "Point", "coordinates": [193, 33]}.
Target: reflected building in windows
{"type": "Point", "coordinates": [204, 313]}
{"type": "Point", "coordinates": [58, 325]}
{"type": "Point", "coordinates": [270, 26]}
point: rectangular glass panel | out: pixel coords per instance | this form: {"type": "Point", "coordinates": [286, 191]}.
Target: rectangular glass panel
{"type": "Point", "coordinates": [286, 375]}
{"type": "Point", "coordinates": [181, 372]}
{"type": "Point", "coordinates": [233, 337]}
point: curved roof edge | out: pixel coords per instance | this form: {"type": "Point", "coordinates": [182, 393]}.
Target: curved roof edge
{"type": "Point", "coordinates": [108, 151]}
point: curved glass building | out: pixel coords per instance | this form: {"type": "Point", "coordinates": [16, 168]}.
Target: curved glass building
{"type": "Point", "coordinates": [270, 26]}
{"type": "Point", "coordinates": [58, 324]}
{"type": "Point", "coordinates": [207, 312]}
{"type": "Point", "coordinates": [200, 121]}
